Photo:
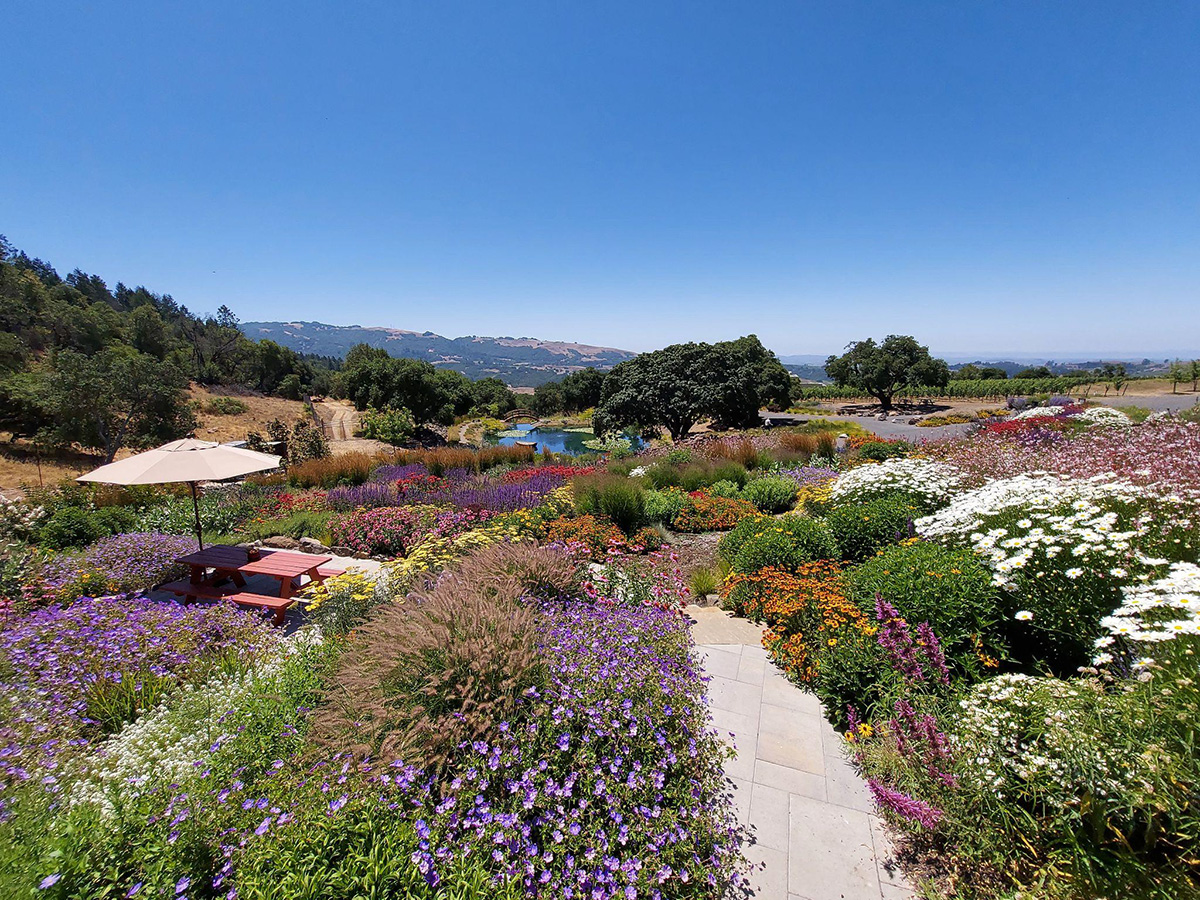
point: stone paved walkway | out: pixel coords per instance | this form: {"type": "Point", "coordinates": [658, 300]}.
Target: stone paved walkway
{"type": "Point", "coordinates": [809, 812]}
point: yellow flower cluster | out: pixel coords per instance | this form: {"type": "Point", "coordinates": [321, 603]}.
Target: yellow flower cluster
{"type": "Point", "coordinates": [522, 523]}
{"type": "Point", "coordinates": [435, 553]}
{"type": "Point", "coordinates": [352, 584]}
{"type": "Point", "coordinates": [559, 502]}
{"type": "Point", "coordinates": [814, 498]}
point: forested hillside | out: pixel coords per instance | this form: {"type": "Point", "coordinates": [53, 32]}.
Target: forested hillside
{"type": "Point", "coordinates": [520, 362]}
{"type": "Point", "coordinates": [85, 364]}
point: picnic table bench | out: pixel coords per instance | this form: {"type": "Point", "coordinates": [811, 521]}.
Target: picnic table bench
{"type": "Point", "coordinates": [278, 605]}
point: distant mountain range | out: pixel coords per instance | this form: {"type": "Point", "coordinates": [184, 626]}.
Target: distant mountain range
{"type": "Point", "coordinates": [520, 362]}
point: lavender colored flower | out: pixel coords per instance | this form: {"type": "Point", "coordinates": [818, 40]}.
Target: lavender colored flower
{"type": "Point", "coordinates": [63, 662]}
{"type": "Point", "coordinates": [903, 805]}
{"type": "Point", "coordinates": [392, 474]}
{"type": "Point", "coordinates": [124, 563]}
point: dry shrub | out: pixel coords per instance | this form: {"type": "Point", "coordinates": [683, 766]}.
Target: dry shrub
{"type": "Point", "coordinates": [330, 471]}
{"type": "Point", "coordinates": [798, 443]}
{"type": "Point", "coordinates": [739, 450]}
{"type": "Point", "coordinates": [451, 662]}
{"type": "Point", "coordinates": [826, 444]}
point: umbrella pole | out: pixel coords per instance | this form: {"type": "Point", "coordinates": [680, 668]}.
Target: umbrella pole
{"type": "Point", "coordinates": [196, 509]}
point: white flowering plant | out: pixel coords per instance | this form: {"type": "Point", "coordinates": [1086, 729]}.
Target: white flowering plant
{"type": "Point", "coordinates": [929, 483]}
{"type": "Point", "coordinates": [1061, 549]}
{"type": "Point", "coordinates": [1158, 620]}
{"type": "Point", "coordinates": [1088, 767]}
{"type": "Point", "coordinates": [20, 521]}
{"type": "Point", "coordinates": [1104, 416]}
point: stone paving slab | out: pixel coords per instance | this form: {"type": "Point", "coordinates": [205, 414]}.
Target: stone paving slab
{"type": "Point", "coordinates": [812, 822]}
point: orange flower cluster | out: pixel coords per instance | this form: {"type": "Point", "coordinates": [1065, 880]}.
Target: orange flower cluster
{"type": "Point", "coordinates": [704, 512]}
{"type": "Point", "coordinates": [859, 440]}
{"type": "Point", "coordinates": [790, 653]}
{"type": "Point", "coordinates": [598, 538]}
{"type": "Point", "coordinates": [806, 612]}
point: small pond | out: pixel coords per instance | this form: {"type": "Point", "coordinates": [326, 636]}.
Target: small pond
{"type": "Point", "coordinates": [556, 440]}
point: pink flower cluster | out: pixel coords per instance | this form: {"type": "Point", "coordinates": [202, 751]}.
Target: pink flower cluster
{"type": "Point", "coordinates": [1166, 455]}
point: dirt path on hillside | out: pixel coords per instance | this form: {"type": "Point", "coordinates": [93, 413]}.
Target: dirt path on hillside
{"type": "Point", "coordinates": [340, 419]}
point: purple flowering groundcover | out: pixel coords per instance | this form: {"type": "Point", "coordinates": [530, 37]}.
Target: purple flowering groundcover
{"type": "Point", "coordinates": [608, 787]}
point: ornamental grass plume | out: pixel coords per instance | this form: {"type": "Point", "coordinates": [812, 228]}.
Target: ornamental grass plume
{"type": "Point", "coordinates": [453, 663]}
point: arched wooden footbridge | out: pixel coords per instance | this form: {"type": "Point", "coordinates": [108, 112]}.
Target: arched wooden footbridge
{"type": "Point", "coordinates": [521, 415]}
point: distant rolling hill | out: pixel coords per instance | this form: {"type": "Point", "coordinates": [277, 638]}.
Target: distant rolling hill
{"type": "Point", "coordinates": [520, 362]}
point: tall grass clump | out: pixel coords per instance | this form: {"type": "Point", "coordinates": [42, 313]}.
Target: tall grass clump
{"type": "Point", "coordinates": [805, 445]}
{"type": "Point", "coordinates": [620, 500]}
{"type": "Point", "coordinates": [739, 450]}
{"type": "Point", "coordinates": [439, 460]}
{"type": "Point", "coordinates": [331, 471]}
{"type": "Point", "coordinates": [448, 665]}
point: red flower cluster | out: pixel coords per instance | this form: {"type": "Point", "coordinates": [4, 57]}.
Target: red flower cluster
{"type": "Point", "coordinates": [282, 504]}
{"type": "Point", "coordinates": [420, 482]}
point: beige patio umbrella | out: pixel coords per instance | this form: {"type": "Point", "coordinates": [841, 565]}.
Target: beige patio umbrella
{"type": "Point", "coordinates": [188, 461]}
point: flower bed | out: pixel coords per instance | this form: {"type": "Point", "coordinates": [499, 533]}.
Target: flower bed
{"type": "Point", "coordinates": [75, 672]}
{"type": "Point", "coordinates": [394, 530]}
{"type": "Point", "coordinates": [703, 512]}
{"type": "Point", "coordinates": [612, 790]}
{"type": "Point", "coordinates": [1051, 544]}
{"type": "Point", "coordinates": [125, 563]}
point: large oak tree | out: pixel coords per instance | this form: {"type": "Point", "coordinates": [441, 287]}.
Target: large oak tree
{"type": "Point", "coordinates": [883, 369]}
{"type": "Point", "coordinates": [680, 385]}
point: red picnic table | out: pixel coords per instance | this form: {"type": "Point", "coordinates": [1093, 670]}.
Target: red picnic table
{"type": "Point", "coordinates": [236, 562]}
{"type": "Point", "coordinates": [287, 568]}
{"type": "Point", "coordinates": [224, 562]}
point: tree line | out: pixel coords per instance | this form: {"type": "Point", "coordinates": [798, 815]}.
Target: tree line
{"type": "Point", "coordinates": [83, 364]}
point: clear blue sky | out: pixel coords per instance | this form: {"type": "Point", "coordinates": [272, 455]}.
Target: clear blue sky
{"type": "Point", "coordinates": [990, 177]}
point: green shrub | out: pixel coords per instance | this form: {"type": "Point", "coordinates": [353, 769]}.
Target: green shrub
{"type": "Point", "coordinates": [861, 529]}
{"type": "Point", "coordinates": [393, 425]}
{"type": "Point", "coordinates": [785, 543]}
{"type": "Point", "coordinates": [732, 543]}
{"type": "Point", "coordinates": [728, 489]}
{"type": "Point", "coordinates": [853, 672]}
{"type": "Point", "coordinates": [225, 406]}
{"type": "Point", "coordinates": [729, 471]}
{"type": "Point", "coordinates": [114, 519]}
{"type": "Point", "coordinates": [771, 494]}
{"type": "Point", "coordinates": [70, 526]}
{"type": "Point", "coordinates": [881, 450]}
{"type": "Point", "coordinates": [663, 506]}
{"type": "Point", "coordinates": [679, 457]}
{"type": "Point", "coordinates": [302, 523]}
{"type": "Point", "coordinates": [621, 500]}
{"type": "Point", "coordinates": [948, 588]}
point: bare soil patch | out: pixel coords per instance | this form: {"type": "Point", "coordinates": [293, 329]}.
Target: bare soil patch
{"type": "Point", "coordinates": [235, 428]}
